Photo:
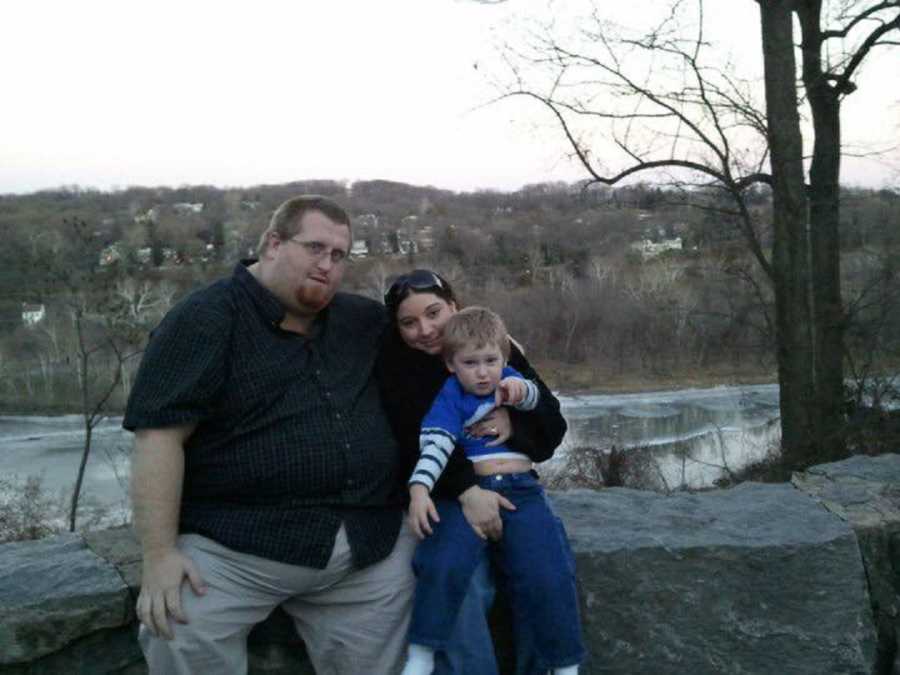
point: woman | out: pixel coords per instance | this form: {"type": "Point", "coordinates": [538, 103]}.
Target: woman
{"type": "Point", "coordinates": [410, 372]}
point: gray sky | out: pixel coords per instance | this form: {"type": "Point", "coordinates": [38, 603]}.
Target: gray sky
{"type": "Point", "coordinates": [104, 93]}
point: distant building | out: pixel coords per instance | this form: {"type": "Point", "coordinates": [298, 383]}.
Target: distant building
{"type": "Point", "coordinates": [405, 245]}
{"type": "Point", "coordinates": [32, 314]}
{"type": "Point", "coordinates": [188, 207]}
{"type": "Point", "coordinates": [651, 249]}
{"type": "Point", "coordinates": [359, 249]}
{"type": "Point", "coordinates": [109, 255]}
{"type": "Point", "coordinates": [366, 220]}
{"type": "Point", "coordinates": [425, 238]}
{"type": "Point", "coordinates": [151, 216]}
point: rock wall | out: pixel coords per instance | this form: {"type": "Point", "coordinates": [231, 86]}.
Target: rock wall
{"type": "Point", "coordinates": [762, 579]}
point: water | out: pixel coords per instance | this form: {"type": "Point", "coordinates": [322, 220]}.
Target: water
{"type": "Point", "coordinates": [51, 447]}
{"type": "Point", "coordinates": [694, 436]}
{"type": "Point", "coordinates": [691, 435]}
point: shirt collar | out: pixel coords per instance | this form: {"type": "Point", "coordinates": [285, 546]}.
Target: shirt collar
{"type": "Point", "coordinates": [268, 306]}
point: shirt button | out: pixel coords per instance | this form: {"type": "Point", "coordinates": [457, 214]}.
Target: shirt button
{"type": "Point", "coordinates": [327, 394]}
{"type": "Point", "coordinates": [347, 445]}
{"type": "Point", "coordinates": [337, 416]}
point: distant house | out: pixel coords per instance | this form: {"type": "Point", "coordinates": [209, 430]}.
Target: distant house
{"type": "Point", "coordinates": [425, 238]}
{"type": "Point", "coordinates": [405, 245]}
{"type": "Point", "coordinates": [651, 249]}
{"type": "Point", "coordinates": [32, 314]}
{"type": "Point", "coordinates": [188, 207]}
{"type": "Point", "coordinates": [366, 220]}
{"type": "Point", "coordinates": [359, 249]}
{"type": "Point", "coordinates": [151, 216]}
{"type": "Point", "coordinates": [111, 254]}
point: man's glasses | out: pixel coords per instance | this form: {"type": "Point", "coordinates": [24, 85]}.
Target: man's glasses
{"type": "Point", "coordinates": [318, 250]}
{"type": "Point", "coordinates": [417, 280]}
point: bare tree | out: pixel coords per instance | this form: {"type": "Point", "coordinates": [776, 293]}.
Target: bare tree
{"type": "Point", "coordinates": [100, 319]}
{"type": "Point", "coordinates": [675, 109]}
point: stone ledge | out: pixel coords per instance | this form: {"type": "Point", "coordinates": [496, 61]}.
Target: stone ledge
{"type": "Point", "coordinates": [756, 579]}
{"type": "Point", "coordinates": [865, 493]}
{"type": "Point", "coordinates": [54, 591]}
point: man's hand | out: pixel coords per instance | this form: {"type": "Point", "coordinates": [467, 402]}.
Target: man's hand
{"type": "Point", "coordinates": [160, 595]}
{"type": "Point", "coordinates": [421, 508]}
{"type": "Point", "coordinates": [510, 391]}
{"type": "Point", "coordinates": [481, 509]}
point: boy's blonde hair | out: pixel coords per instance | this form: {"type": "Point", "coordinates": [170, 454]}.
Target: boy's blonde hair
{"type": "Point", "coordinates": [474, 327]}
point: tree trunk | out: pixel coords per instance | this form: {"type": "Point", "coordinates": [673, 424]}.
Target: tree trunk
{"type": "Point", "coordinates": [824, 216]}
{"type": "Point", "coordinates": [790, 259]}
{"type": "Point", "coordinates": [83, 359]}
{"type": "Point", "coordinates": [76, 492]}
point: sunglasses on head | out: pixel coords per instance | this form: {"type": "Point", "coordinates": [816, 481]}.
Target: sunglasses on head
{"type": "Point", "coordinates": [417, 280]}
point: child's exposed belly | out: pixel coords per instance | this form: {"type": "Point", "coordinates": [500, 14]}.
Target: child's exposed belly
{"type": "Point", "coordinates": [489, 467]}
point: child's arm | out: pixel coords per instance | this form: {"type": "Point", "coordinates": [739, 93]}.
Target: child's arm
{"type": "Point", "coordinates": [516, 391]}
{"type": "Point", "coordinates": [539, 432]}
{"type": "Point", "coordinates": [421, 509]}
{"type": "Point", "coordinates": [440, 429]}
{"type": "Point", "coordinates": [436, 446]}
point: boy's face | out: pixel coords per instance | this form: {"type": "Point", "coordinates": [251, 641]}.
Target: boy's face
{"type": "Point", "coordinates": [478, 369]}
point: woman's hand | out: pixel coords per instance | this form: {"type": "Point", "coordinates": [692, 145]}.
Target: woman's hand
{"type": "Point", "coordinates": [481, 509]}
{"type": "Point", "coordinates": [496, 424]}
{"type": "Point", "coordinates": [421, 508]}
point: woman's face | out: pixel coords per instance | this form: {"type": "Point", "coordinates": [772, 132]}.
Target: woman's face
{"type": "Point", "coordinates": [421, 318]}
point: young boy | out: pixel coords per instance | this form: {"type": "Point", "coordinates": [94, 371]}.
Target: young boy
{"type": "Point", "coordinates": [533, 554]}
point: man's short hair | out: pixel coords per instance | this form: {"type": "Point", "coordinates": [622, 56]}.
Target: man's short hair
{"type": "Point", "coordinates": [286, 219]}
{"type": "Point", "coordinates": [474, 327]}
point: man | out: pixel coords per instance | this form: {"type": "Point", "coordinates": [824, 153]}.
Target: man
{"type": "Point", "coordinates": [263, 464]}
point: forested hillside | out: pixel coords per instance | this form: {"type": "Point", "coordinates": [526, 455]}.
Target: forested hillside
{"type": "Point", "coordinates": [606, 288]}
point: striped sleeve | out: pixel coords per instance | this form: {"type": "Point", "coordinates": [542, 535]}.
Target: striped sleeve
{"type": "Point", "coordinates": [441, 426]}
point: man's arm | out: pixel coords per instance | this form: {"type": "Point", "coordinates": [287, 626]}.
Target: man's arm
{"type": "Point", "coordinates": [156, 479]}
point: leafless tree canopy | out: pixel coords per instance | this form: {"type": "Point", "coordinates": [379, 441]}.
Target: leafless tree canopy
{"type": "Point", "coordinates": [666, 101]}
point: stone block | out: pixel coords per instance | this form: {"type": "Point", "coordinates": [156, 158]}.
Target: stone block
{"type": "Point", "coordinates": [865, 492]}
{"type": "Point", "coordinates": [755, 579]}
{"type": "Point", "coordinates": [53, 592]}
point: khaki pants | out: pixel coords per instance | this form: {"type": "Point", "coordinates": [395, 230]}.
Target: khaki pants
{"type": "Point", "coordinates": [353, 622]}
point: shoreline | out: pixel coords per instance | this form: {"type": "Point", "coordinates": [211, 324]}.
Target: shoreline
{"type": "Point", "coordinates": [575, 380]}
{"type": "Point", "coordinates": [563, 379]}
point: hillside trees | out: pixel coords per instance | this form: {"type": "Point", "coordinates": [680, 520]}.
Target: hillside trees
{"type": "Point", "coordinates": [674, 109]}
{"type": "Point", "coordinates": [104, 316]}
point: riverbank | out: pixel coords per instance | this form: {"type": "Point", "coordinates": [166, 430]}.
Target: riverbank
{"type": "Point", "coordinates": [565, 378]}
{"type": "Point", "coordinates": [574, 379]}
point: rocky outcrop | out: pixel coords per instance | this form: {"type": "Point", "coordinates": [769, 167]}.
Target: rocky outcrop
{"type": "Point", "coordinates": [54, 591]}
{"type": "Point", "coordinates": [755, 579]}
{"type": "Point", "coordinates": [865, 493]}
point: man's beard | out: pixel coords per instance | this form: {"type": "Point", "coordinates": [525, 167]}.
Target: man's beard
{"type": "Point", "coordinates": [314, 298]}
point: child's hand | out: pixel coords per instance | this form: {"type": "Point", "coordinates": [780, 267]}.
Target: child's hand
{"type": "Point", "coordinates": [421, 508]}
{"type": "Point", "coordinates": [511, 391]}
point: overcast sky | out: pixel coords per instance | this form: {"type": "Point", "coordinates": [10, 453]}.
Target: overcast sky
{"type": "Point", "coordinates": [167, 92]}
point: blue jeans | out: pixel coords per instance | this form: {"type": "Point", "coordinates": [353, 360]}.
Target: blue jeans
{"type": "Point", "coordinates": [533, 556]}
{"type": "Point", "coordinates": [469, 649]}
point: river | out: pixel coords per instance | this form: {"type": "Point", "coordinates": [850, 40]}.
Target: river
{"type": "Point", "coordinates": [692, 434]}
